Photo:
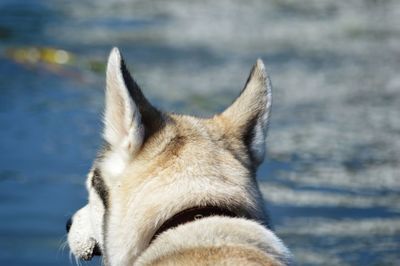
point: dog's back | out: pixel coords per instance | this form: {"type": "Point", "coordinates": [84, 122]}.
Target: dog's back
{"type": "Point", "coordinates": [216, 241]}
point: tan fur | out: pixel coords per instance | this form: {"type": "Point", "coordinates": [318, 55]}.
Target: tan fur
{"type": "Point", "coordinates": [159, 164]}
{"type": "Point", "coordinates": [225, 255]}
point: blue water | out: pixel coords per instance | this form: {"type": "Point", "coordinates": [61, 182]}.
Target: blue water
{"type": "Point", "coordinates": [331, 179]}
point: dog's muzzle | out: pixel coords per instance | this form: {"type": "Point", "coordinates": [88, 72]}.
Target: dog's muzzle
{"type": "Point", "coordinates": [93, 250]}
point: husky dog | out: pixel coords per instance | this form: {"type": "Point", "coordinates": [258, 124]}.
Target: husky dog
{"type": "Point", "coordinates": [169, 189]}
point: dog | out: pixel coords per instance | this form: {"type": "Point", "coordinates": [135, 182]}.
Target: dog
{"type": "Point", "coordinates": [170, 189]}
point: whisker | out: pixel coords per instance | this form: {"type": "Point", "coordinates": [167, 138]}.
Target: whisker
{"type": "Point", "coordinates": [77, 261]}
{"type": "Point", "coordinates": [70, 257]}
{"type": "Point", "coordinates": [63, 243]}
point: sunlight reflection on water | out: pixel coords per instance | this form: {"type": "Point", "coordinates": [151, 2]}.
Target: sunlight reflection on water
{"type": "Point", "coordinates": [331, 180]}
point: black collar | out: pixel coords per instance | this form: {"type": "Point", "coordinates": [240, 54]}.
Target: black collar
{"type": "Point", "coordinates": [190, 215]}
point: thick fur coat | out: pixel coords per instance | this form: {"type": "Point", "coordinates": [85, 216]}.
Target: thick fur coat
{"type": "Point", "coordinates": [155, 164]}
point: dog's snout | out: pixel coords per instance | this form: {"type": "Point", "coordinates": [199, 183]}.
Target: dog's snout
{"type": "Point", "coordinates": [68, 225]}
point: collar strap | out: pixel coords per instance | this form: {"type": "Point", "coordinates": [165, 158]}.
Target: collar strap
{"type": "Point", "coordinates": [190, 215]}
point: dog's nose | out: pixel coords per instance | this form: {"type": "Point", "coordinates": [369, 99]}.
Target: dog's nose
{"type": "Point", "coordinates": [68, 225]}
{"type": "Point", "coordinates": [97, 250]}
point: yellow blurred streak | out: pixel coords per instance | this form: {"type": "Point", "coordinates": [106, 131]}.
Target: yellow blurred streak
{"type": "Point", "coordinates": [33, 55]}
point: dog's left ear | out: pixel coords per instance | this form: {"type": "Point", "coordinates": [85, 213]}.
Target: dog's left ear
{"type": "Point", "coordinates": [249, 113]}
{"type": "Point", "coordinates": [128, 118]}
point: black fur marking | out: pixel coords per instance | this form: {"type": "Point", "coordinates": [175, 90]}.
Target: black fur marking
{"type": "Point", "coordinates": [100, 187]}
{"type": "Point", "coordinates": [102, 190]}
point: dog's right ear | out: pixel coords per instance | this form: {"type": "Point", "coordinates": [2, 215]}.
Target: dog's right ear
{"type": "Point", "coordinates": [128, 118]}
{"type": "Point", "coordinates": [248, 116]}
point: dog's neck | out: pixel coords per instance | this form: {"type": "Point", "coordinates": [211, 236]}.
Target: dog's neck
{"type": "Point", "coordinates": [192, 214]}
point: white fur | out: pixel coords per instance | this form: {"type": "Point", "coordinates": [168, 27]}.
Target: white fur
{"type": "Point", "coordinates": [122, 119]}
{"type": "Point", "coordinates": [258, 142]}
{"type": "Point", "coordinates": [115, 162]}
{"type": "Point", "coordinates": [81, 238]}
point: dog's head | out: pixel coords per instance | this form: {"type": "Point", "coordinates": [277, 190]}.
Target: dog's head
{"type": "Point", "coordinates": [155, 164]}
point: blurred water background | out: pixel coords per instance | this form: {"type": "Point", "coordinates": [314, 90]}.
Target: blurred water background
{"type": "Point", "coordinates": [331, 179]}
